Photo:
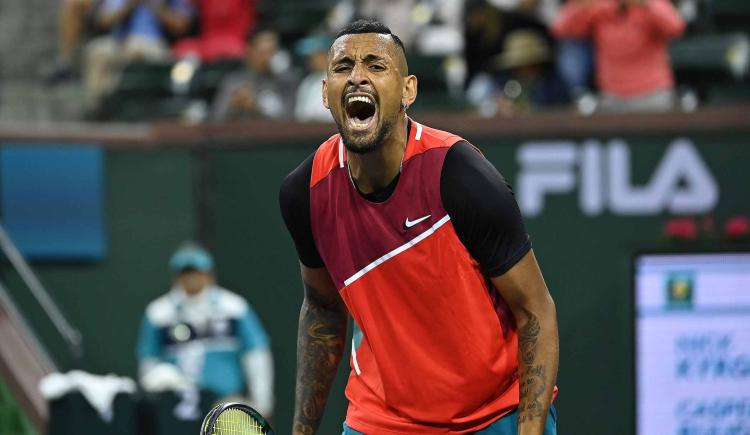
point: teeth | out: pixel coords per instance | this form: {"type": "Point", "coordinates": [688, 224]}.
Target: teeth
{"type": "Point", "coordinates": [361, 98]}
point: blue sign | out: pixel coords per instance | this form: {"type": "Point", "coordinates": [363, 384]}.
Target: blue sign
{"type": "Point", "coordinates": [52, 201]}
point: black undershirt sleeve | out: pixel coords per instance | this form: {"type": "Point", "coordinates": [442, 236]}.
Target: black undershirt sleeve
{"type": "Point", "coordinates": [483, 210]}
{"type": "Point", "coordinates": [294, 200]}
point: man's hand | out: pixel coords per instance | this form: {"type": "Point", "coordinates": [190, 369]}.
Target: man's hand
{"type": "Point", "coordinates": [175, 22]}
{"type": "Point", "coordinates": [524, 290]}
{"type": "Point", "coordinates": [242, 100]}
{"type": "Point", "coordinates": [108, 19]}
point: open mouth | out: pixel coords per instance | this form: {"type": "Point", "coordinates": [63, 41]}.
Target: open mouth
{"type": "Point", "coordinates": [360, 111]}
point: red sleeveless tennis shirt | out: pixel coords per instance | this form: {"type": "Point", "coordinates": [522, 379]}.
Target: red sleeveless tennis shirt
{"type": "Point", "coordinates": [434, 349]}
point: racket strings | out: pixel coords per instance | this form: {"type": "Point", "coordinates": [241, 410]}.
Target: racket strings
{"type": "Point", "coordinates": [237, 422]}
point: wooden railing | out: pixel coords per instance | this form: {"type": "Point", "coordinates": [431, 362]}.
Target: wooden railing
{"type": "Point", "coordinates": [254, 132]}
{"type": "Point", "coordinates": [23, 363]}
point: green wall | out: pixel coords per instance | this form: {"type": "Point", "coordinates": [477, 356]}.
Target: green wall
{"type": "Point", "coordinates": [152, 206]}
{"type": "Point", "coordinates": [149, 211]}
{"type": "Point", "coordinates": [586, 263]}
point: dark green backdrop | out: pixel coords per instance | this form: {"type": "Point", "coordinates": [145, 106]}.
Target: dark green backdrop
{"type": "Point", "coordinates": [153, 202]}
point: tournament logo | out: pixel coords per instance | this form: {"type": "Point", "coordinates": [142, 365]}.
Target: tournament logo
{"type": "Point", "coordinates": [680, 290]}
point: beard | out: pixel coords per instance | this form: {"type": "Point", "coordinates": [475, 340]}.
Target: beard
{"type": "Point", "coordinates": [365, 143]}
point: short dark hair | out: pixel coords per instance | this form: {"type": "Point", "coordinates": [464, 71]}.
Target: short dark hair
{"type": "Point", "coordinates": [370, 26]}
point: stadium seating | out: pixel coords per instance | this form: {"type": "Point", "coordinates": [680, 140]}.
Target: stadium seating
{"type": "Point", "coordinates": [719, 55]}
{"type": "Point", "coordinates": [294, 19]}
{"type": "Point", "coordinates": [714, 65]}
{"type": "Point", "coordinates": [433, 85]}
{"type": "Point", "coordinates": [712, 60]}
{"type": "Point", "coordinates": [209, 76]}
{"type": "Point", "coordinates": [729, 15]}
{"type": "Point", "coordinates": [147, 91]}
{"type": "Point", "coordinates": [144, 91]}
{"type": "Point", "coordinates": [146, 79]}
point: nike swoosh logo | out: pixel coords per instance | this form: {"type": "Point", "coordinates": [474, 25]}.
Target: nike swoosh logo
{"type": "Point", "coordinates": [409, 224]}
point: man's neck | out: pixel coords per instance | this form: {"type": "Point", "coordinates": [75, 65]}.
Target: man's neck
{"type": "Point", "coordinates": [375, 170]}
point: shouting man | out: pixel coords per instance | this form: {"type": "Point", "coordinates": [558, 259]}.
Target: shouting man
{"type": "Point", "coordinates": [412, 232]}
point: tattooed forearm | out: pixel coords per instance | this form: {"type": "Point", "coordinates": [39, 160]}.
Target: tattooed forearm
{"type": "Point", "coordinates": [320, 344]}
{"type": "Point", "coordinates": [532, 373]}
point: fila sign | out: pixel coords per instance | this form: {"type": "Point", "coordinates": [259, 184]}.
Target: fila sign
{"type": "Point", "coordinates": [681, 183]}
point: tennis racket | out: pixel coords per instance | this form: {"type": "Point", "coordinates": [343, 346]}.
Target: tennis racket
{"type": "Point", "coordinates": [235, 419]}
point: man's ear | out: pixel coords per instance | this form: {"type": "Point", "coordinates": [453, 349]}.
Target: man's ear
{"type": "Point", "coordinates": [325, 94]}
{"type": "Point", "coordinates": [409, 92]}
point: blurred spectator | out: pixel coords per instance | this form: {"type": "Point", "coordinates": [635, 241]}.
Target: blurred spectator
{"type": "Point", "coordinates": [223, 30]}
{"type": "Point", "coordinates": [531, 82]}
{"type": "Point", "coordinates": [575, 60]}
{"type": "Point", "coordinates": [201, 335]}
{"type": "Point", "coordinates": [527, 81]}
{"type": "Point", "coordinates": [137, 31]}
{"type": "Point", "coordinates": [396, 14]}
{"type": "Point", "coordinates": [73, 19]}
{"type": "Point", "coordinates": [430, 27]}
{"type": "Point", "coordinates": [309, 102]}
{"type": "Point", "coordinates": [262, 90]}
{"type": "Point", "coordinates": [487, 26]}
{"type": "Point", "coordinates": [543, 11]}
{"type": "Point", "coordinates": [443, 32]}
{"type": "Point", "coordinates": [633, 70]}
{"type": "Point", "coordinates": [574, 56]}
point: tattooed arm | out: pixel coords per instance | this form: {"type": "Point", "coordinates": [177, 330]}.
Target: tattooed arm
{"type": "Point", "coordinates": [524, 290]}
{"type": "Point", "coordinates": [320, 343]}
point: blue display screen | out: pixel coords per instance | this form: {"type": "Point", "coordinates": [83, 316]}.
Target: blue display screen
{"type": "Point", "coordinates": [52, 200]}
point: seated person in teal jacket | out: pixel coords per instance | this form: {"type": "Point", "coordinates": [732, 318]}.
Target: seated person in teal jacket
{"type": "Point", "coordinates": [201, 335]}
